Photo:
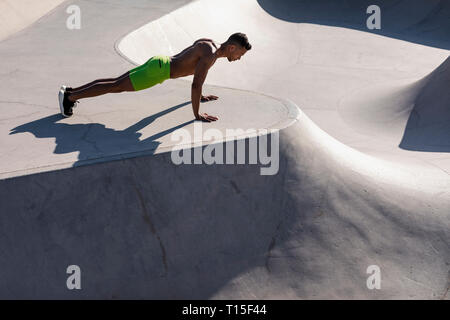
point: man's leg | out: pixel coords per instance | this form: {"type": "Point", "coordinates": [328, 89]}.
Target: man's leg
{"type": "Point", "coordinates": [84, 86]}
{"type": "Point", "coordinates": [116, 85]}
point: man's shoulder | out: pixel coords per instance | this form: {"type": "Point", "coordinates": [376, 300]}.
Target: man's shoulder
{"type": "Point", "coordinates": [204, 49]}
{"type": "Point", "coordinates": [204, 45]}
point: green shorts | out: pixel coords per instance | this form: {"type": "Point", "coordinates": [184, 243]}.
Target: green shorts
{"type": "Point", "coordinates": [155, 70]}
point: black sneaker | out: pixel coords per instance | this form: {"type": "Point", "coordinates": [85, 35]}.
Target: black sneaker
{"type": "Point", "coordinates": [66, 106]}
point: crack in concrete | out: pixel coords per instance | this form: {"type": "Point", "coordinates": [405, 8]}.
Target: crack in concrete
{"type": "Point", "coordinates": [273, 241]}
{"type": "Point", "coordinates": [419, 283]}
{"type": "Point", "coordinates": [271, 246]}
{"type": "Point", "coordinates": [93, 143]}
{"type": "Point", "coordinates": [149, 222]}
{"type": "Point", "coordinates": [26, 103]}
{"type": "Point", "coordinates": [446, 292]}
{"type": "Point", "coordinates": [444, 296]}
{"type": "Point", "coordinates": [18, 117]}
{"type": "Point", "coordinates": [9, 73]}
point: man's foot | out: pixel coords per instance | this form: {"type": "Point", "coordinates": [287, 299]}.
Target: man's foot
{"type": "Point", "coordinates": [65, 105]}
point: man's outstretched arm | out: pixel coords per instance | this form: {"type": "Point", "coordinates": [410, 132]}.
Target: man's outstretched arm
{"type": "Point", "coordinates": [201, 71]}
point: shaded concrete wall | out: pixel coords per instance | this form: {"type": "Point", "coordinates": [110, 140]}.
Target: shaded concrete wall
{"type": "Point", "coordinates": [429, 121]}
{"type": "Point", "coordinates": [146, 228]}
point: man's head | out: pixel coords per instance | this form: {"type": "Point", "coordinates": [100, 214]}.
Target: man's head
{"type": "Point", "coordinates": [236, 46]}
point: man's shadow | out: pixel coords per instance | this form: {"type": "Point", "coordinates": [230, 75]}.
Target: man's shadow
{"type": "Point", "coordinates": [94, 140]}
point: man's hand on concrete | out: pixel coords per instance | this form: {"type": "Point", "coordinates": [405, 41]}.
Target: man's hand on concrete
{"type": "Point", "coordinates": [206, 117]}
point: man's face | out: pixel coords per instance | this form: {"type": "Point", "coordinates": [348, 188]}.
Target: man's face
{"type": "Point", "coordinates": [235, 52]}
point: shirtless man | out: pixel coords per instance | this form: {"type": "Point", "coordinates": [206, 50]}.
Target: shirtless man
{"type": "Point", "coordinates": [196, 60]}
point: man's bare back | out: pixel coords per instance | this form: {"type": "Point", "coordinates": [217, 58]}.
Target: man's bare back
{"type": "Point", "coordinates": [184, 63]}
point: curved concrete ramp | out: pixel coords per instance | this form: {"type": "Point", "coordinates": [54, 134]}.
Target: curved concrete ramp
{"type": "Point", "coordinates": [357, 184]}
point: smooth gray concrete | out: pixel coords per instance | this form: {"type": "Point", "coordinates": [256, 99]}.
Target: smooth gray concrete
{"type": "Point", "coordinates": [361, 179]}
{"type": "Point", "coordinates": [17, 15]}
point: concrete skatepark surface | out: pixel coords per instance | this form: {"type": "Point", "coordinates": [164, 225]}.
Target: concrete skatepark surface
{"type": "Point", "coordinates": [17, 15]}
{"type": "Point", "coordinates": [363, 122]}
